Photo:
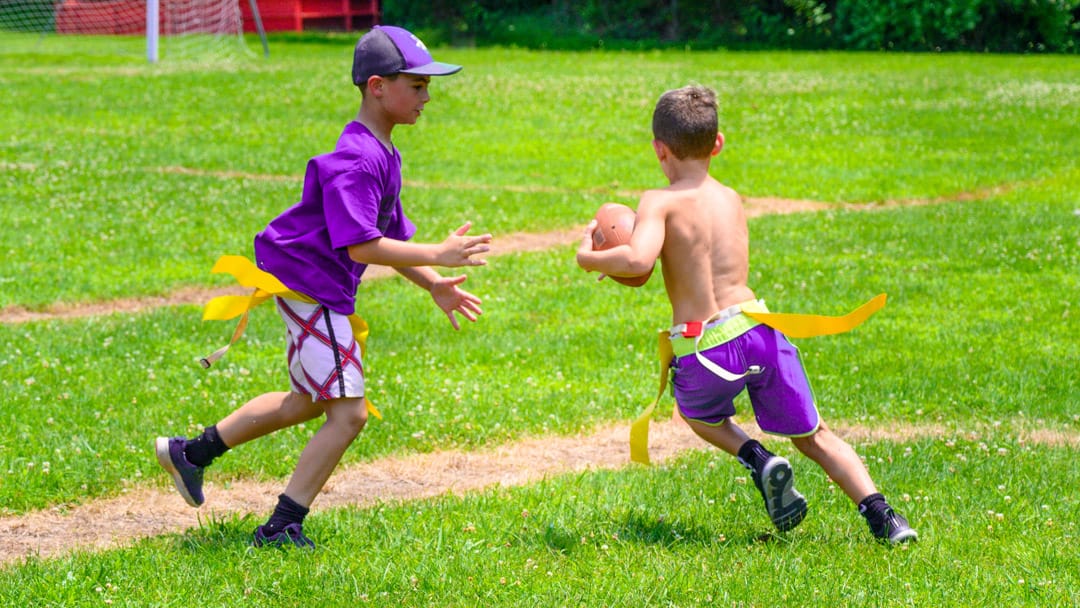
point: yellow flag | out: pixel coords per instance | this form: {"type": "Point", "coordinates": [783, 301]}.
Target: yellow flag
{"type": "Point", "coordinates": [639, 430]}
{"type": "Point", "coordinates": [809, 326]}
{"type": "Point", "coordinates": [266, 286]}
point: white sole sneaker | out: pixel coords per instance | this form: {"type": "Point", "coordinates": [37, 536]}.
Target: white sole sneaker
{"type": "Point", "coordinates": [189, 482]}
{"type": "Point", "coordinates": [786, 507]}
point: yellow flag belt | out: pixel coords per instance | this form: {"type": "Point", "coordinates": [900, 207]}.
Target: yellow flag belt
{"type": "Point", "coordinates": [751, 313]}
{"type": "Point", "coordinates": [265, 286]}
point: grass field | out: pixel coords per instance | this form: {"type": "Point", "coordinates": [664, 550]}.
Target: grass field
{"type": "Point", "coordinates": [122, 180]}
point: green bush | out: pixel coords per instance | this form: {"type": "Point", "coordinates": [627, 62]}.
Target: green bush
{"type": "Point", "coordinates": [908, 25]}
{"type": "Point", "coordinates": [974, 25]}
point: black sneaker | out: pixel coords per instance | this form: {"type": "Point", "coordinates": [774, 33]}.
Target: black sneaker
{"type": "Point", "coordinates": [290, 535]}
{"type": "Point", "coordinates": [786, 507]}
{"type": "Point", "coordinates": [894, 528]}
{"type": "Point", "coordinates": [187, 477]}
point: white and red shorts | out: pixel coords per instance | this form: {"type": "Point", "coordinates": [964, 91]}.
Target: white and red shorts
{"type": "Point", "coordinates": [324, 357]}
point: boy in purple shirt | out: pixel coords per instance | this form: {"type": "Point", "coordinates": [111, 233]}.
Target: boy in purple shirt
{"type": "Point", "coordinates": [349, 216]}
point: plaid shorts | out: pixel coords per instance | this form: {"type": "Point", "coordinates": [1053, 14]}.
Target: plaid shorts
{"type": "Point", "coordinates": [324, 357]}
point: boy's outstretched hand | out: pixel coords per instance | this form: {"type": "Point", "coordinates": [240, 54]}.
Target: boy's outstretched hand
{"type": "Point", "coordinates": [458, 249]}
{"type": "Point", "coordinates": [450, 298]}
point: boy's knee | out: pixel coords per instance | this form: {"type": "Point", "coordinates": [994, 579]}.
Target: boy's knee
{"type": "Point", "coordinates": [351, 416]}
{"type": "Point", "coordinates": [810, 443]}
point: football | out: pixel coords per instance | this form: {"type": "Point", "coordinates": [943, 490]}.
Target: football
{"type": "Point", "coordinates": [614, 226]}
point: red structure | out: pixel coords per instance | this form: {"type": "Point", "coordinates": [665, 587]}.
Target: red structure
{"type": "Point", "coordinates": [300, 15]}
{"type": "Point", "coordinates": [89, 17]}
{"type": "Point", "coordinates": [129, 16]}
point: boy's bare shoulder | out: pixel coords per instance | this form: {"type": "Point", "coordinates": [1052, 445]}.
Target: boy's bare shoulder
{"type": "Point", "coordinates": [658, 193]}
{"type": "Point", "coordinates": [660, 197]}
{"type": "Point", "coordinates": [712, 193]}
{"type": "Point", "coordinates": [727, 192]}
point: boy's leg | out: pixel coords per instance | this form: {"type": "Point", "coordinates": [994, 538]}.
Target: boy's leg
{"type": "Point", "coordinates": [839, 461]}
{"type": "Point", "coordinates": [345, 418]}
{"type": "Point", "coordinates": [324, 360]}
{"type": "Point", "coordinates": [846, 469]}
{"type": "Point", "coordinates": [265, 414]}
{"type": "Point", "coordinates": [772, 474]}
{"type": "Point", "coordinates": [727, 436]}
{"type": "Point", "coordinates": [186, 459]}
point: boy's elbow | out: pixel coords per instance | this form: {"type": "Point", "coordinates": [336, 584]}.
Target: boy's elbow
{"type": "Point", "coordinates": [639, 266]}
{"type": "Point", "coordinates": [356, 254]}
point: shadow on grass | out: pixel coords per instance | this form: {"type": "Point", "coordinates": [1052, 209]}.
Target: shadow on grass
{"type": "Point", "coordinates": [647, 530]}
{"type": "Point", "coordinates": [218, 533]}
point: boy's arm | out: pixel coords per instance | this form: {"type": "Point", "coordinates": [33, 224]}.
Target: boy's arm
{"type": "Point", "coordinates": [456, 250]}
{"type": "Point", "coordinates": [445, 291]}
{"type": "Point", "coordinates": [633, 259]}
{"type": "Point", "coordinates": [423, 276]}
{"type": "Point", "coordinates": [414, 260]}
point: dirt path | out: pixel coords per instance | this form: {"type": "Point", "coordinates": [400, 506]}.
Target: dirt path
{"type": "Point", "coordinates": [148, 512]}
{"type": "Point", "coordinates": [503, 244]}
{"type": "Point", "coordinates": [117, 522]}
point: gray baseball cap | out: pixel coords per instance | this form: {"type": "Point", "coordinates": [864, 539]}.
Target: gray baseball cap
{"type": "Point", "coordinates": [388, 49]}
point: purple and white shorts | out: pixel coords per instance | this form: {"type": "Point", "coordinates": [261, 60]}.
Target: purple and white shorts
{"type": "Point", "coordinates": [324, 357]}
{"type": "Point", "coordinates": [780, 393]}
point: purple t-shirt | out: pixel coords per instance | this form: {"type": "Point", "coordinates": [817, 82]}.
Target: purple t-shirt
{"type": "Point", "coordinates": [351, 195]}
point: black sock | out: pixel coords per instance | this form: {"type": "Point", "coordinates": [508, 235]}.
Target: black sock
{"type": "Point", "coordinates": [873, 507]}
{"type": "Point", "coordinates": [287, 511]}
{"type": "Point", "coordinates": [202, 450]}
{"type": "Point", "coordinates": [753, 455]}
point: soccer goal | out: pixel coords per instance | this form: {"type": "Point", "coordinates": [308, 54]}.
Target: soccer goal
{"type": "Point", "coordinates": [165, 28]}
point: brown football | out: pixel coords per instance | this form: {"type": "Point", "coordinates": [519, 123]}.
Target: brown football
{"type": "Point", "coordinates": [614, 226]}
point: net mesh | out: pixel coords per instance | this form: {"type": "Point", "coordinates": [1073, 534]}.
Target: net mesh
{"type": "Point", "coordinates": [188, 28]}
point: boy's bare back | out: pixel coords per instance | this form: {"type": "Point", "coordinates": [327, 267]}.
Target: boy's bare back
{"type": "Point", "coordinates": [705, 252]}
{"type": "Point", "coordinates": [695, 226]}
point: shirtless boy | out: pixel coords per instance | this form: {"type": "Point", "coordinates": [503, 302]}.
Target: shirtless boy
{"type": "Point", "coordinates": [697, 228]}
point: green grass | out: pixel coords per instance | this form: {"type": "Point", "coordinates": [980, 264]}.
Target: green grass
{"type": "Point", "coordinates": [122, 179]}
{"type": "Point", "coordinates": [98, 145]}
{"type": "Point", "coordinates": [995, 531]}
{"type": "Point", "coordinates": [556, 352]}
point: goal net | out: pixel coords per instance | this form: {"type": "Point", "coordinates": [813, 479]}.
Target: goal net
{"type": "Point", "coordinates": [181, 29]}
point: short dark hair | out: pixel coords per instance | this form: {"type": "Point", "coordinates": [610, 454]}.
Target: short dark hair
{"type": "Point", "coordinates": [686, 121]}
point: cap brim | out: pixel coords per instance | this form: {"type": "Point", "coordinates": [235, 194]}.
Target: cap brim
{"type": "Point", "coordinates": [435, 68]}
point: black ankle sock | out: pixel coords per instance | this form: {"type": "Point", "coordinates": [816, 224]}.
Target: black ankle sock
{"type": "Point", "coordinates": [873, 507]}
{"type": "Point", "coordinates": [287, 511]}
{"type": "Point", "coordinates": [753, 455]}
{"type": "Point", "coordinates": [202, 450]}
